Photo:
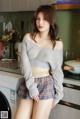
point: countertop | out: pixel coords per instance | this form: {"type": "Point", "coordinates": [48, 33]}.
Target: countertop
{"type": "Point", "coordinates": [72, 81]}
{"type": "Point", "coordinates": [13, 68]}
{"type": "Point", "coordinates": [10, 66]}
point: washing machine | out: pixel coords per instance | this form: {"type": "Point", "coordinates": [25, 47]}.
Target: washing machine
{"type": "Point", "coordinates": [8, 96]}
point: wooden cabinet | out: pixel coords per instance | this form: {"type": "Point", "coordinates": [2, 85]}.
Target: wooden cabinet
{"type": "Point", "coordinates": [64, 112]}
{"type": "Point", "coordinates": [69, 106]}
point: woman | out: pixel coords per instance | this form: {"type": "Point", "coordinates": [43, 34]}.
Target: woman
{"type": "Point", "coordinates": [41, 60]}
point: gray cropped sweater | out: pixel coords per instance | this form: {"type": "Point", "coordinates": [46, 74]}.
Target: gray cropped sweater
{"type": "Point", "coordinates": [32, 55]}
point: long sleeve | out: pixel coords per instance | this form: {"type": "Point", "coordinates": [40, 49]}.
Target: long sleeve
{"type": "Point", "coordinates": [27, 70]}
{"type": "Point", "coordinates": [58, 74]}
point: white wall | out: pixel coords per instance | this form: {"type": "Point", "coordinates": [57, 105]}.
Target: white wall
{"type": "Point", "coordinates": [22, 5]}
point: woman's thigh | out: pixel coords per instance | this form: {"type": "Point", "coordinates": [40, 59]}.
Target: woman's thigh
{"type": "Point", "coordinates": [24, 110]}
{"type": "Point", "coordinates": [42, 109]}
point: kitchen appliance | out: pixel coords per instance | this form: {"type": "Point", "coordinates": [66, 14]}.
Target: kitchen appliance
{"type": "Point", "coordinates": [71, 75]}
{"type": "Point", "coordinates": [75, 64]}
{"type": "Point", "coordinates": [8, 95]}
{"type": "Point", "coordinates": [74, 72]}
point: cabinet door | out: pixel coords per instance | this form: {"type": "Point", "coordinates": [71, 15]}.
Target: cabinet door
{"type": "Point", "coordinates": [69, 106]}
{"type": "Point", "coordinates": [64, 112]}
{"type": "Point", "coordinates": [71, 95]}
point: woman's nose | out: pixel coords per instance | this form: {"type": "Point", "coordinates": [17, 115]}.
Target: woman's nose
{"type": "Point", "coordinates": [41, 21]}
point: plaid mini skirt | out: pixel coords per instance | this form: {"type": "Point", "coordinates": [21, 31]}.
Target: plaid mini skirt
{"type": "Point", "coordinates": [45, 87]}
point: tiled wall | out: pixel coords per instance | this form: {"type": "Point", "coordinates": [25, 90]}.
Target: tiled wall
{"type": "Point", "coordinates": [69, 30]}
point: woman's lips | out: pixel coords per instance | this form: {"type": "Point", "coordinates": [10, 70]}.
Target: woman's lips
{"type": "Point", "coordinates": [40, 26]}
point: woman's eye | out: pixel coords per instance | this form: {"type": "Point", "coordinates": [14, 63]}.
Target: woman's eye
{"type": "Point", "coordinates": [38, 19]}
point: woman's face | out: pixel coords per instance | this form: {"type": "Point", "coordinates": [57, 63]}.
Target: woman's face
{"type": "Point", "coordinates": [42, 24]}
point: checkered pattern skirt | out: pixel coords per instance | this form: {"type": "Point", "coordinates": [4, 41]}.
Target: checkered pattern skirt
{"type": "Point", "coordinates": [45, 87]}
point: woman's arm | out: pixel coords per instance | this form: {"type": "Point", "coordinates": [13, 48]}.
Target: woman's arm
{"type": "Point", "coordinates": [58, 73]}
{"type": "Point", "coordinates": [27, 70]}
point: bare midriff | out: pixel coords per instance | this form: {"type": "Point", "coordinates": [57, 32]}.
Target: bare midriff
{"type": "Point", "coordinates": [39, 72]}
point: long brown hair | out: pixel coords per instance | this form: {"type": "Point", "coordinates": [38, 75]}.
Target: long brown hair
{"type": "Point", "coordinates": [48, 12]}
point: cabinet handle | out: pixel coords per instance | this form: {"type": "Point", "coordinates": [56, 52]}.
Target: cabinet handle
{"type": "Point", "coordinates": [71, 86]}
{"type": "Point", "coordinates": [69, 104]}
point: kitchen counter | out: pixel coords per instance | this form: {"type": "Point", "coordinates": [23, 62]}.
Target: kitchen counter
{"type": "Point", "coordinates": [72, 81]}
{"type": "Point", "coordinates": [10, 70]}
{"type": "Point", "coordinates": [9, 74]}
{"type": "Point", "coordinates": [10, 66]}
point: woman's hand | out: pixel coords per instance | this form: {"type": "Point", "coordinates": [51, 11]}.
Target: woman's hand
{"type": "Point", "coordinates": [36, 98]}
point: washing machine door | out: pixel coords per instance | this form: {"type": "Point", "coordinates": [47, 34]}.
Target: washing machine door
{"type": "Point", "coordinates": [5, 110]}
